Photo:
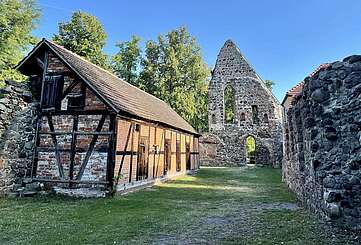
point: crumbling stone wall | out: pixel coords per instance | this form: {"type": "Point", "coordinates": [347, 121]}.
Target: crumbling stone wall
{"type": "Point", "coordinates": [249, 91]}
{"type": "Point", "coordinates": [323, 135]}
{"type": "Point", "coordinates": [17, 127]}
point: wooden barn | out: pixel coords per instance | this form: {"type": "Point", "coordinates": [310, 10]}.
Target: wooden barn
{"type": "Point", "coordinates": [96, 130]}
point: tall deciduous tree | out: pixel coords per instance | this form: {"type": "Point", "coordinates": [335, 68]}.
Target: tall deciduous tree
{"type": "Point", "coordinates": [85, 36]}
{"type": "Point", "coordinates": [17, 19]}
{"type": "Point", "coordinates": [173, 70]}
{"type": "Point", "coordinates": [126, 62]}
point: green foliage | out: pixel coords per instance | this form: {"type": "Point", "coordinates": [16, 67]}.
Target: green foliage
{"type": "Point", "coordinates": [175, 65]}
{"type": "Point", "coordinates": [269, 84]}
{"type": "Point", "coordinates": [17, 19]}
{"type": "Point", "coordinates": [250, 145]}
{"type": "Point", "coordinates": [229, 104]}
{"type": "Point", "coordinates": [85, 36]}
{"type": "Point", "coordinates": [172, 69]}
{"type": "Point", "coordinates": [126, 62]}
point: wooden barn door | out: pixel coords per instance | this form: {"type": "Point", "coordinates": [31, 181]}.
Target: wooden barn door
{"type": "Point", "coordinates": [167, 156]}
{"type": "Point", "coordinates": [188, 156]}
{"type": "Point", "coordinates": [142, 171]}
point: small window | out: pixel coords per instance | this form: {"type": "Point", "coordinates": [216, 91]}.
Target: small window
{"type": "Point", "coordinates": [242, 117]}
{"type": "Point", "coordinates": [213, 119]}
{"type": "Point", "coordinates": [265, 118]}
{"type": "Point", "coordinates": [229, 106]}
{"type": "Point", "coordinates": [52, 91]}
{"type": "Point", "coordinates": [76, 101]}
{"type": "Point", "coordinates": [255, 114]}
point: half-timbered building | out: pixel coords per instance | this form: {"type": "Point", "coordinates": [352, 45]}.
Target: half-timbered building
{"type": "Point", "coordinates": [95, 129]}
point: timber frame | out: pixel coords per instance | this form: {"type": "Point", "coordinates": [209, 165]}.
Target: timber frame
{"type": "Point", "coordinates": [94, 142]}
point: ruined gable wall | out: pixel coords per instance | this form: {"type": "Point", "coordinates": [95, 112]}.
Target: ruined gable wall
{"type": "Point", "coordinates": [323, 154]}
{"type": "Point", "coordinates": [249, 90]}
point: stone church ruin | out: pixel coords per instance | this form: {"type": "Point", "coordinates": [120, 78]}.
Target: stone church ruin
{"type": "Point", "coordinates": [241, 108]}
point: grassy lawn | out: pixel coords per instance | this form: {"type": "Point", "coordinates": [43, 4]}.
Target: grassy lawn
{"type": "Point", "coordinates": [217, 206]}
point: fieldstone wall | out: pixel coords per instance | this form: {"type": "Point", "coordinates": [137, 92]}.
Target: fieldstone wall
{"type": "Point", "coordinates": [17, 127]}
{"type": "Point", "coordinates": [323, 135]}
{"type": "Point", "coordinates": [227, 146]}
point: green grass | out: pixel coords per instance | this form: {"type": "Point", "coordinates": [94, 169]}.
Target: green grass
{"type": "Point", "coordinates": [217, 206]}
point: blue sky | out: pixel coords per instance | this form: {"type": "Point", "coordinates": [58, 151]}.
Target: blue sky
{"type": "Point", "coordinates": [284, 40]}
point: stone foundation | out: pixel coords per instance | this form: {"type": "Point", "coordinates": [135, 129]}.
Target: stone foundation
{"type": "Point", "coordinates": [322, 160]}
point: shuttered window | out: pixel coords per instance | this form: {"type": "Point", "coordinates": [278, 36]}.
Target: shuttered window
{"type": "Point", "coordinates": [52, 92]}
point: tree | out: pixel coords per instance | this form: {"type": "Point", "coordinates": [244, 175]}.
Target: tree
{"type": "Point", "coordinates": [269, 84]}
{"type": "Point", "coordinates": [173, 70]}
{"type": "Point", "coordinates": [17, 20]}
{"type": "Point", "coordinates": [126, 62]}
{"type": "Point", "coordinates": [85, 36]}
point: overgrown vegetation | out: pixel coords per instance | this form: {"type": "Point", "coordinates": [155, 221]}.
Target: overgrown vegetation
{"type": "Point", "coordinates": [17, 20]}
{"type": "Point", "coordinates": [171, 68]}
{"type": "Point", "coordinates": [218, 206]}
{"type": "Point", "coordinates": [85, 36]}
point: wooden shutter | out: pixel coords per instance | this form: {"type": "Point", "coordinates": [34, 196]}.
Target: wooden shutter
{"type": "Point", "coordinates": [52, 92]}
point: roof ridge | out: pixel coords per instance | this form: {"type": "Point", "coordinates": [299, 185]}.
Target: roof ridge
{"type": "Point", "coordinates": [110, 73]}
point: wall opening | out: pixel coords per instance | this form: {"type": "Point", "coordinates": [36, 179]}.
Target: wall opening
{"type": "Point", "coordinates": [167, 155]}
{"type": "Point", "coordinates": [265, 118]}
{"type": "Point", "coordinates": [242, 117]}
{"type": "Point", "coordinates": [229, 108]}
{"type": "Point", "coordinates": [142, 169]}
{"type": "Point", "coordinates": [251, 150]}
{"type": "Point", "coordinates": [178, 155]}
{"type": "Point", "coordinates": [188, 156]}
{"type": "Point", "coordinates": [255, 114]}
{"type": "Point", "coordinates": [213, 119]}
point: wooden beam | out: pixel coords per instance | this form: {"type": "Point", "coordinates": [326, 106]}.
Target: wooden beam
{"type": "Point", "coordinates": [127, 153]}
{"type": "Point", "coordinates": [39, 119]}
{"type": "Point", "coordinates": [71, 181]}
{"type": "Point", "coordinates": [40, 63]}
{"type": "Point", "coordinates": [125, 150]}
{"type": "Point", "coordinates": [111, 152]}
{"type": "Point", "coordinates": [57, 153]}
{"type": "Point", "coordinates": [69, 89]}
{"type": "Point", "coordinates": [90, 149]}
{"type": "Point", "coordinates": [77, 133]}
{"type": "Point", "coordinates": [155, 142]}
{"type": "Point", "coordinates": [131, 156]}
{"type": "Point", "coordinates": [73, 147]}
{"type": "Point", "coordinates": [78, 112]}
{"type": "Point", "coordinates": [137, 165]}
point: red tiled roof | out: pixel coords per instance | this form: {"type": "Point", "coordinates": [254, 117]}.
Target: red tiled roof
{"type": "Point", "coordinates": [297, 89]}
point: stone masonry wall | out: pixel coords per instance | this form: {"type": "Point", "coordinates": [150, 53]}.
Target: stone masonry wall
{"type": "Point", "coordinates": [228, 139]}
{"type": "Point", "coordinates": [18, 118]}
{"type": "Point", "coordinates": [322, 164]}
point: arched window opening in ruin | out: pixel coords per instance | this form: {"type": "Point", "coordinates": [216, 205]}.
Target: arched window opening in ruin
{"type": "Point", "coordinates": [242, 117]}
{"type": "Point", "coordinates": [229, 109]}
{"type": "Point", "coordinates": [251, 150]}
{"type": "Point", "coordinates": [213, 119]}
{"type": "Point", "coordinates": [265, 118]}
{"type": "Point", "coordinates": [255, 114]}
